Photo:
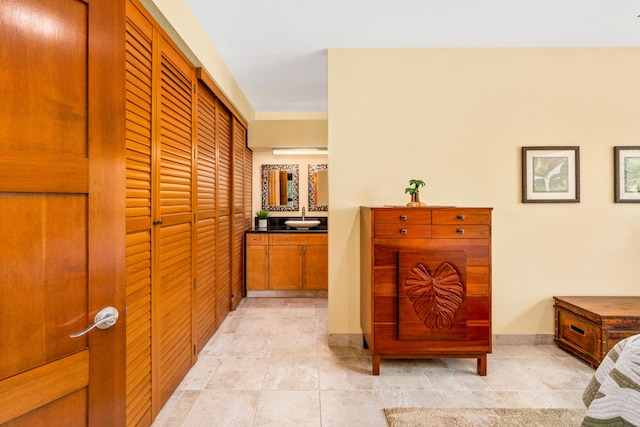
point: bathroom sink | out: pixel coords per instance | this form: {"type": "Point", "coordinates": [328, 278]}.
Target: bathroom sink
{"type": "Point", "coordinates": [302, 224]}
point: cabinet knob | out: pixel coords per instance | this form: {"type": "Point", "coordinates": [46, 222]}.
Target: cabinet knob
{"type": "Point", "coordinates": [460, 231]}
{"type": "Point", "coordinates": [403, 217]}
{"type": "Point", "coordinates": [403, 231]}
{"type": "Point", "coordinates": [460, 217]}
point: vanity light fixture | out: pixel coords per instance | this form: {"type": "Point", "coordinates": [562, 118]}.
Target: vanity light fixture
{"type": "Point", "coordinates": [298, 151]}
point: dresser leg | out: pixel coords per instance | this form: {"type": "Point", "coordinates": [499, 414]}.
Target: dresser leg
{"type": "Point", "coordinates": [482, 365]}
{"type": "Point", "coordinates": [376, 364]}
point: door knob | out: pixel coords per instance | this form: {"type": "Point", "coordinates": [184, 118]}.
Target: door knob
{"type": "Point", "coordinates": [105, 318]}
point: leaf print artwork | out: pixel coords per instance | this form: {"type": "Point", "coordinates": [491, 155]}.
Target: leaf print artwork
{"type": "Point", "coordinates": [550, 174]}
{"type": "Point", "coordinates": [437, 297]}
{"type": "Point", "coordinates": [632, 174]}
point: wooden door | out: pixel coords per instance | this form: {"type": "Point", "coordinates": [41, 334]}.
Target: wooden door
{"type": "Point", "coordinates": [61, 211]}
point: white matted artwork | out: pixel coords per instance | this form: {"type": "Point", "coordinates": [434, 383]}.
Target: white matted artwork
{"type": "Point", "coordinates": [626, 174]}
{"type": "Point", "coordinates": [550, 174]}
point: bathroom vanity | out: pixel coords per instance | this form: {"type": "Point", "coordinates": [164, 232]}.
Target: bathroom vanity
{"type": "Point", "coordinates": [281, 258]}
{"type": "Point", "coordinates": [425, 283]}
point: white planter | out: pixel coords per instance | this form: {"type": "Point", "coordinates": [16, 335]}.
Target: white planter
{"type": "Point", "coordinates": [262, 223]}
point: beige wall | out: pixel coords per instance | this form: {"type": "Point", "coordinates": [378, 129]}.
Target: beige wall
{"type": "Point", "coordinates": [457, 119]}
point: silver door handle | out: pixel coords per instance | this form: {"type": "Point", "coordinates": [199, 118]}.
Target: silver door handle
{"type": "Point", "coordinates": [105, 318]}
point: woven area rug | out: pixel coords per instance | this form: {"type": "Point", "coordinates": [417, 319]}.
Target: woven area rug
{"type": "Point", "coordinates": [496, 417]}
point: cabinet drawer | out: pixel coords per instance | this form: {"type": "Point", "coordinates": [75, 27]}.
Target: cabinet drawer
{"type": "Point", "coordinates": [298, 239]}
{"type": "Point", "coordinates": [403, 216]}
{"type": "Point", "coordinates": [462, 216]}
{"type": "Point", "coordinates": [402, 231]}
{"type": "Point", "coordinates": [578, 333]}
{"type": "Point", "coordinates": [461, 231]}
{"type": "Point", "coordinates": [257, 239]}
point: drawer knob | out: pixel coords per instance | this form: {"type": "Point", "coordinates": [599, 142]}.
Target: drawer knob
{"type": "Point", "coordinates": [460, 231]}
{"type": "Point", "coordinates": [460, 217]}
{"type": "Point", "coordinates": [403, 231]}
{"type": "Point", "coordinates": [403, 217]}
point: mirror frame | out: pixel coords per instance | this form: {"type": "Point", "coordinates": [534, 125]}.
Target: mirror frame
{"type": "Point", "coordinates": [313, 168]}
{"type": "Point", "coordinates": [265, 188]}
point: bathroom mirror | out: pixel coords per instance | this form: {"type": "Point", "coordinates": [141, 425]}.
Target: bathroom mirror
{"type": "Point", "coordinates": [318, 188]}
{"type": "Point", "coordinates": [280, 187]}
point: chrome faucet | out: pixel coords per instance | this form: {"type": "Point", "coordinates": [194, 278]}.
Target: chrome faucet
{"type": "Point", "coordinates": [303, 213]}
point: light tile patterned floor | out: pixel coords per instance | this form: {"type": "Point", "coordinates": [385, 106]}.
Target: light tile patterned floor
{"type": "Point", "coordinates": [270, 364]}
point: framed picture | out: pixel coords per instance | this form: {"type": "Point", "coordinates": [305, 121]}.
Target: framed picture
{"type": "Point", "coordinates": [550, 174]}
{"type": "Point", "coordinates": [626, 165]}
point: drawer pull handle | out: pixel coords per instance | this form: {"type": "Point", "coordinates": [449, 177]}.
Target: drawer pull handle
{"type": "Point", "coordinates": [403, 217]}
{"type": "Point", "coordinates": [460, 231]}
{"type": "Point", "coordinates": [578, 330]}
{"type": "Point", "coordinates": [460, 217]}
{"type": "Point", "coordinates": [403, 231]}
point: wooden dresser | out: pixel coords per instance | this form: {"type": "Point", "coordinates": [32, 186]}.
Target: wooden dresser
{"type": "Point", "coordinates": [425, 288]}
{"type": "Point", "coordinates": [589, 326]}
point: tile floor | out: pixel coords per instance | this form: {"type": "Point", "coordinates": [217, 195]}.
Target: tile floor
{"type": "Point", "coordinates": [270, 364]}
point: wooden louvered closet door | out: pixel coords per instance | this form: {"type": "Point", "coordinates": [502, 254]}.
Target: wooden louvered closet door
{"type": "Point", "coordinates": [223, 259]}
{"type": "Point", "coordinates": [206, 323]}
{"type": "Point", "coordinates": [173, 221]}
{"type": "Point", "coordinates": [139, 66]}
{"type": "Point", "coordinates": [237, 248]}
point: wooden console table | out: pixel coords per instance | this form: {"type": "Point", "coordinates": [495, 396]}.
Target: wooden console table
{"type": "Point", "coordinates": [590, 326]}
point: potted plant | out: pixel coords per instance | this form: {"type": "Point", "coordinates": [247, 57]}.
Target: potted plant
{"type": "Point", "coordinates": [415, 192]}
{"type": "Point", "coordinates": [262, 215]}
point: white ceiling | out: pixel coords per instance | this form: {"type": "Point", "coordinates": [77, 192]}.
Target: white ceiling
{"type": "Point", "coordinates": [276, 49]}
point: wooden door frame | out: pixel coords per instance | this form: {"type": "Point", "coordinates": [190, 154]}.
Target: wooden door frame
{"type": "Point", "coordinates": [107, 221]}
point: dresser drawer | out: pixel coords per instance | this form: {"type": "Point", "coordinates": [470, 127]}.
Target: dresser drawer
{"type": "Point", "coordinates": [403, 216]}
{"type": "Point", "coordinates": [462, 231]}
{"type": "Point", "coordinates": [461, 216]}
{"type": "Point", "coordinates": [402, 231]}
{"type": "Point", "coordinates": [578, 333]}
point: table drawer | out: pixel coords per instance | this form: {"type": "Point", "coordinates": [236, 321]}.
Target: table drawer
{"type": "Point", "coordinates": [403, 216]}
{"type": "Point", "coordinates": [578, 333]}
{"type": "Point", "coordinates": [462, 216]}
{"type": "Point", "coordinates": [402, 231]}
{"type": "Point", "coordinates": [460, 231]}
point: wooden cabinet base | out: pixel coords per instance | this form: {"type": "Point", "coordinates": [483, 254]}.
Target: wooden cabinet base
{"type": "Point", "coordinates": [481, 365]}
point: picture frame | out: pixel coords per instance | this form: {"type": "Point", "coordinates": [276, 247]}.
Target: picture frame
{"type": "Point", "coordinates": [626, 166]}
{"type": "Point", "coordinates": [551, 174]}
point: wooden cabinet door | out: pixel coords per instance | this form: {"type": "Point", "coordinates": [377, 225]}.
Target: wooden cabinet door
{"type": "Point", "coordinates": [285, 267]}
{"type": "Point", "coordinates": [257, 254]}
{"type": "Point", "coordinates": [316, 262]}
{"type": "Point", "coordinates": [62, 204]}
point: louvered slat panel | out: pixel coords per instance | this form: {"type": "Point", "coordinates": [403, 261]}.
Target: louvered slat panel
{"type": "Point", "coordinates": [223, 139]}
{"type": "Point", "coordinates": [248, 179]}
{"type": "Point", "coordinates": [223, 274]}
{"type": "Point", "coordinates": [138, 214]}
{"type": "Point", "coordinates": [239, 144]}
{"type": "Point", "coordinates": [206, 323]}
{"type": "Point", "coordinates": [237, 258]}
{"type": "Point", "coordinates": [175, 275]}
{"type": "Point", "coordinates": [174, 307]}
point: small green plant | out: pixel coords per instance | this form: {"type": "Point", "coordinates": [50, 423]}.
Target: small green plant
{"type": "Point", "coordinates": [262, 214]}
{"type": "Point", "coordinates": [416, 186]}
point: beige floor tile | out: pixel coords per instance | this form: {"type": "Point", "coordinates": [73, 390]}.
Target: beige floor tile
{"type": "Point", "coordinates": [285, 408]}
{"type": "Point", "coordinates": [292, 373]}
{"type": "Point", "coordinates": [351, 408]}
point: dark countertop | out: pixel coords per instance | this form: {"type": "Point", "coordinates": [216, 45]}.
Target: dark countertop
{"type": "Point", "coordinates": [276, 225]}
